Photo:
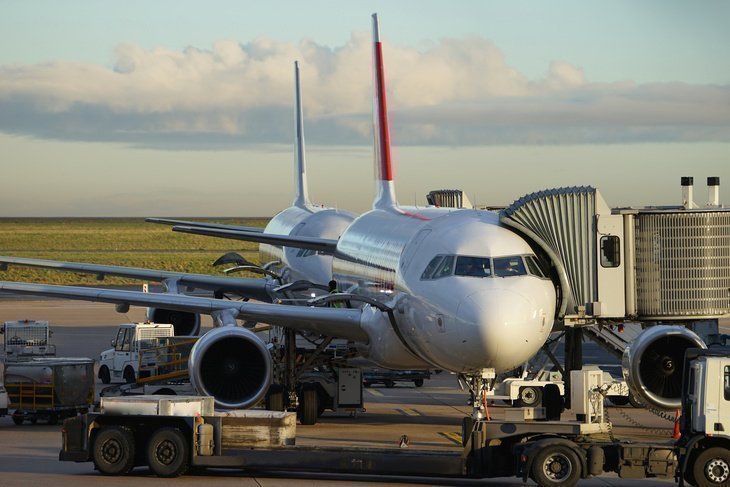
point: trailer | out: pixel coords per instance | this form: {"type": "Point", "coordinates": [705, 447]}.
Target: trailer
{"type": "Point", "coordinates": [49, 389]}
{"type": "Point", "coordinates": [388, 378]}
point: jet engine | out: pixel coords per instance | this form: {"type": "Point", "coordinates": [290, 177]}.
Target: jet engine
{"type": "Point", "coordinates": [231, 364]}
{"type": "Point", "coordinates": [186, 324]}
{"type": "Point", "coordinates": [652, 364]}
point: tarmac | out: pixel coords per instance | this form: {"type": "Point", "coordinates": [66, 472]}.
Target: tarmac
{"type": "Point", "coordinates": [430, 416]}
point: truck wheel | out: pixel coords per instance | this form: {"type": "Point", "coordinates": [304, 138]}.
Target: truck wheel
{"type": "Point", "coordinates": [53, 418]}
{"type": "Point", "coordinates": [275, 398]}
{"type": "Point", "coordinates": [308, 406]}
{"type": "Point", "coordinates": [18, 418]}
{"type": "Point", "coordinates": [556, 465]}
{"type": "Point", "coordinates": [712, 467]}
{"type": "Point", "coordinates": [168, 452]}
{"type": "Point", "coordinates": [389, 383]}
{"type": "Point", "coordinates": [104, 375]}
{"type": "Point", "coordinates": [418, 382]}
{"type": "Point", "coordinates": [530, 397]}
{"type": "Point", "coordinates": [129, 375]}
{"type": "Point", "coordinates": [113, 450]}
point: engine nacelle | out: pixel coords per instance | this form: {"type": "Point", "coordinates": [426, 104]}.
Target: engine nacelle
{"type": "Point", "coordinates": [652, 364]}
{"type": "Point", "coordinates": [186, 324]}
{"type": "Point", "coordinates": [231, 364]}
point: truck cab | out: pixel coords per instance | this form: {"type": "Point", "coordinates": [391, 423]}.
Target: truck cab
{"type": "Point", "coordinates": [121, 362]}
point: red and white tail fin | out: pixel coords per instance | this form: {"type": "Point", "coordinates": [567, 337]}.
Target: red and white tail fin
{"type": "Point", "coordinates": [384, 190]}
{"type": "Point", "coordinates": [301, 197]}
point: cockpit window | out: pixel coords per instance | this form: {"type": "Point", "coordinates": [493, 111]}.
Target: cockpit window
{"type": "Point", "coordinates": [533, 267]}
{"type": "Point", "coordinates": [473, 266]}
{"type": "Point", "coordinates": [509, 266]}
{"type": "Point", "coordinates": [440, 266]}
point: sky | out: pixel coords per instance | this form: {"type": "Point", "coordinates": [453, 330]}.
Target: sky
{"type": "Point", "coordinates": [181, 108]}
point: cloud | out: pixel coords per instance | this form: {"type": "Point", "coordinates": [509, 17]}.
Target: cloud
{"type": "Point", "coordinates": [458, 91]}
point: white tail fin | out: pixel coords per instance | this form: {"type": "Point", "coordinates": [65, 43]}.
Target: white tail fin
{"type": "Point", "coordinates": [384, 189]}
{"type": "Point", "coordinates": [301, 198]}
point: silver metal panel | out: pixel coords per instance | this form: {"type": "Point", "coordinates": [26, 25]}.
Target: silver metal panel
{"type": "Point", "coordinates": [564, 220]}
{"type": "Point", "coordinates": [683, 264]}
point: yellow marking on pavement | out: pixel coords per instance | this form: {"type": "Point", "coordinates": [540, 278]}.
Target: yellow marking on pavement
{"type": "Point", "coordinates": [451, 436]}
{"type": "Point", "coordinates": [374, 392]}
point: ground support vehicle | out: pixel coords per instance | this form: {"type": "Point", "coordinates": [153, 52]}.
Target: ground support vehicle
{"type": "Point", "coordinates": [390, 377]}
{"type": "Point", "coordinates": [528, 392]}
{"type": "Point", "coordinates": [552, 453]}
{"type": "Point", "coordinates": [49, 388]}
{"type": "Point", "coordinates": [122, 361]}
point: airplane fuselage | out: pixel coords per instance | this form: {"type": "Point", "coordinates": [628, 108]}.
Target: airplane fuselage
{"type": "Point", "coordinates": [449, 318]}
{"type": "Point", "coordinates": [306, 221]}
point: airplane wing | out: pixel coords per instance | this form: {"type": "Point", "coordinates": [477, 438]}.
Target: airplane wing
{"type": "Point", "coordinates": [168, 221]}
{"type": "Point", "coordinates": [336, 322]}
{"type": "Point", "coordinates": [324, 245]}
{"type": "Point", "coordinates": [252, 288]}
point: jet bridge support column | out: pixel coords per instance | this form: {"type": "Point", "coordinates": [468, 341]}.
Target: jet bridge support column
{"type": "Point", "coordinates": [573, 357]}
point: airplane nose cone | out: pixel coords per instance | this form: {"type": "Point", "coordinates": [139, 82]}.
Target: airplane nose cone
{"type": "Point", "coordinates": [507, 327]}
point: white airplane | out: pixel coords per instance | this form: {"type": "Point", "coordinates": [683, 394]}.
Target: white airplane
{"type": "Point", "coordinates": [284, 267]}
{"type": "Point", "coordinates": [451, 289]}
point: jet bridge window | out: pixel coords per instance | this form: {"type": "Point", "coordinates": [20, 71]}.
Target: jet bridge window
{"type": "Point", "coordinates": [509, 266]}
{"type": "Point", "coordinates": [610, 251]}
{"type": "Point", "coordinates": [473, 266]}
{"type": "Point", "coordinates": [440, 266]}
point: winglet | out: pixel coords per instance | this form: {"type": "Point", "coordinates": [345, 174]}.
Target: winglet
{"type": "Point", "coordinates": [301, 198]}
{"type": "Point", "coordinates": [385, 191]}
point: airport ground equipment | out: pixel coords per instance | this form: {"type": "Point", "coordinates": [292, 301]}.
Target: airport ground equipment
{"type": "Point", "coordinates": [171, 438]}
{"type": "Point", "coordinates": [126, 360]}
{"type": "Point", "coordinates": [26, 339]}
{"type": "Point", "coordinates": [388, 378]}
{"type": "Point", "coordinates": [36, 383]}
{"type": "Point", "coordinates": [49, 388]}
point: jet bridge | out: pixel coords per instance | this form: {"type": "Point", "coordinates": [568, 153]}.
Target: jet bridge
{"type": "Point", "coordinates": [643, 264]}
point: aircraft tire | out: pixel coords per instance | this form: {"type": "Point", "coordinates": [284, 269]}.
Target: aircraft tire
{"type": "Point", "coordinates": [309, 406]}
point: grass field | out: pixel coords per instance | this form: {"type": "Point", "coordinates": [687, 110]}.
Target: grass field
{"type": "Point", "coordinates": [129, 242]}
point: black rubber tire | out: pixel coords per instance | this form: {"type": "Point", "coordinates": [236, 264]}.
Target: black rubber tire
{"type": "Point", "coordinates": [556, 466]}
{"type": "Point", "coordinates": [129, 375]}
{"type": "Point", "coordinates": [18, 419]}
{"type": "Point", "coordinates": [366, 384]}
{"type": "Point", "coordinates": [530, 397]}
{"type": "Point", "coordinates": [53, 418]}
{"type": "Point", "coordinates": [275, 398]}
{"type": "Point", "coordinates": [113, 450]}
{"type": "Point", "coordinates": [168, 454]}
{"type": "Point", "coordinates": [389, 384]}
{"type": "Point", "coordinates": [33, 419]}
{"type": "Point", "coordinates": [418, 382]}
{"type": "Point", "coordinates": [165, 391]}
{"type": "Point", "coordinates": [619, 400]}
{"type": "Point", "coordinates": [712, 467]}
{"type": "Point", "coordinates": [104, 375]}
{"type": "Point", "coordinates": [308, 406]}
{"type": "Point", "coordinates": [635, 401]}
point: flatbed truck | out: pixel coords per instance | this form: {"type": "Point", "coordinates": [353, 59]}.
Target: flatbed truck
{"type": "Point", "coordinates": [552, 453]}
